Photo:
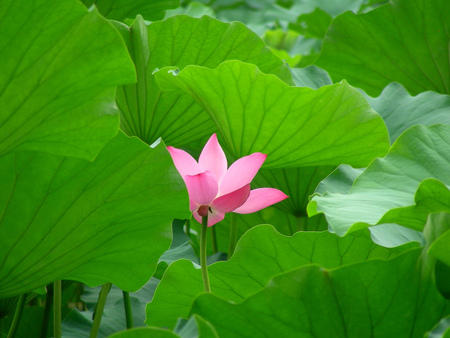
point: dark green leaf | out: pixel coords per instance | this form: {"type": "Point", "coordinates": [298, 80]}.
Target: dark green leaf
{"type": "Point", "coordinates": [369, 299]}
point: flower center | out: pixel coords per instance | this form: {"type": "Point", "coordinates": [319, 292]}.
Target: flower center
{"type": "Point", "coordinates": [203, 210]}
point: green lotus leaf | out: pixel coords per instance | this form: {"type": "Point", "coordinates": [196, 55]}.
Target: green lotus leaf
{"type": "Point", "coordinates": [400, 188]}
{"type": "Point", "coordinates": [437, 232]}
{"type": "Point", "coordinates": [401, 111]}
{"type": "Point", "coordinates": [375, 298]}
{"type": "Point", "coordinates": [256, 112]}
{"type": "Point", "coordinates": [441, 330]}
{"type": "Point", "coordinates": [180, 41]}
{"type": "Point", "coordinates": [405, 41]}
{"type": "Point", "coordinates": [312, 25]}
{"type": "Point", "coordinates": [260, 254]}
{"type": "Point", "coordinates": [122, 9]}
{"type": "Point", "coordinates": [103, 221]}
{"type": "Point", "coordinates": [311, 76]}
{"type": "Point", "coordinates": [145, 332]}
{"type": "Point", "coordinates": [58, 78]}
{"type": "Point", "coordinates": [79, 323]}
{"type": "Point", "coordinates": [288, 216]}
{"type": "Point", "coordinates": [195, 327]}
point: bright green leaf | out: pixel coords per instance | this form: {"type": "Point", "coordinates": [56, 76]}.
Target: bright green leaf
{"type": "Point", "coordinates": [405, 41]}
{"type": "Point", "coordinates": [60, 65]}
{"type": "Point", "coordinates": [260, 254]}
{"type": "Point", "coordinates": [180, 41]}
{"type": "Point", "coordinates": [95, 222]}
{"type": "Point", "coordinates": [369, 299]}
{"type": "Point", "coordinates": [121, 9]}
{"type": "Point", "coordinates": [145, 332]}
{"type": "Point", "coordinates": [295, 126]}
{"type": "Point", "coordinates": [392, 182]}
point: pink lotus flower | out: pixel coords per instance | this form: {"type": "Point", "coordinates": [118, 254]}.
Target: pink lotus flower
{"type": "Point", "coordinates": [214, 189]}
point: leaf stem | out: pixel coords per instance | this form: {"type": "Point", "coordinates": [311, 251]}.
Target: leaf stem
{"type": "Point", "coordinates": [203, 261]}
{"type": "Point", "coordinates": [47, 312]}
{"type": "Point", "coordinates": [128, 312]}
{"type": "Point", "coordinates": [57, 309]}
{"type": "Point", "coordinates": [188, 228]}
{"type": "Point", "coordinates": [99, 309]}
{"type": "Point", "coordinates": [17, 315]}
{"type": "Point", "coordinates": [233, 234]}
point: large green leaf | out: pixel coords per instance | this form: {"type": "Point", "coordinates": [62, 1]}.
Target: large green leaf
{"type": "Point", "coordinates": [122, 9]}
{"type": "Point", "coordinates": [260, 254]}
{"type": "Point", "coordinates": [405, 41]}
{"type": "Point", "coordinates": [369, 299]}
{"type": "Point", "coordinates": [60, 65]}
{"type": "Point", "coordinates": [180, 41]}
{"type": "Point", "coordinates": [400, 110]}
{"type": "Point", "coordinates": [95, 222]}
{"type": "Point", "coordinates": [401, 188]}
{"type": "Point", "coordinates": [256, 112]}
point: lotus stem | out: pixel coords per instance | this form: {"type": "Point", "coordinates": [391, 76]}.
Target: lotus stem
{"type": "Point", "coordinates": [17, 315]}
{"type": "Point", "coordinates": [233, 234]}
{"type": "Point", "coordinates": [203, 262]}
{"type": "Point", "coordinates": [47, 311]}
{"type": "Point", "coordinates": [99, 309]}
{"type": "Point", "coordinates": [57, 309]}
{"type": "Point", "coordinates": [188, 228]}
{"type": "Point", "coordinates": [128, 312]}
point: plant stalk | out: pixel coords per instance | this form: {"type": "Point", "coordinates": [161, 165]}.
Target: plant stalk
{"type": "Point", "coordinates": [99, 309]}
{"type": "Point", "coordinates": [57, 309]}
{"type": "Point", "coordinates": [203, 261]}
{"type": "Point", "coordinates": [233, 234]}
{"type": "Point", "coordinates": [188, 228]}
{"type": "Point", "coordinates": [128, 312]}
{"type": "Point", "coordinates": [47, 312]}
{"type": "Point", "coordinates": [17, 315]}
